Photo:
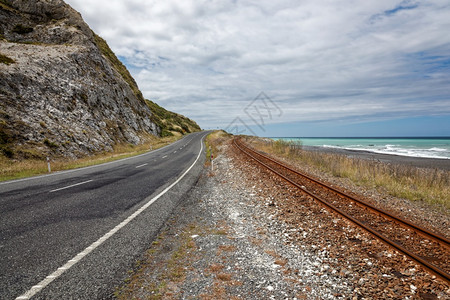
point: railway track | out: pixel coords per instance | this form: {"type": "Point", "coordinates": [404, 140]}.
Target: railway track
{"type": "Point", "coordinates": [428, 249]}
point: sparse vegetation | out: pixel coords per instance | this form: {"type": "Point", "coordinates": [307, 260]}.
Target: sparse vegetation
{"type": "Point", "coordinates": [34, 161]}
{"type": "Point", "coordinates": [6, 60]}
{"type": "Point", "coordinates": [417, 184]}
{"type": "Point", "coordinates": [5, 140]}
{"type": "Point", "coordinates": [6, 5]}
{"type": "Point", "coordinates": [166, 133]}
{"type": "Point", "coordinates": [22, 157]}
{"type": "Point", "coordinates": [117, 64]}
{"type": "Point", "coordinates": [170, 122]}
{"type": "Point", "coordinates": [212, 142]}
{"type": "Point", "coordinates": [21, 29]}
{"type": "Point", "coordinates": [174, 270]}
{"type": "Point", "coordinates": [50, 144]}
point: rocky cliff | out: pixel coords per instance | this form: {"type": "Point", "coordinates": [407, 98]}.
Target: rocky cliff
{"type": "Point", "coordinates": [62, 90]}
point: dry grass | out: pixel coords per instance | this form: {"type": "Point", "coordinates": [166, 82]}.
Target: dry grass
{"type": "Point", "coordinates": [168, 269]}
{"type": "Point", "coordinates": [227, 248]}
{"type": "Point", "coordinates": [224, 276]}
{"type": "Point", "coordinates": [417, 184]}
{"type": "Point", "coordinates": [213, 141]}
{"type": "Point", "coordinates": [281, 262]}
{"type": "Point", "coordinates": [272, 253]}
{"type": "Point", "coordinates": [216, 267]}
{"type": "Point", "coordinates": [15, 169]}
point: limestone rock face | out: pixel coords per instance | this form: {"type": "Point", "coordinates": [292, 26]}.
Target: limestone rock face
{"type": "Point", "coordinates": [62, 90]}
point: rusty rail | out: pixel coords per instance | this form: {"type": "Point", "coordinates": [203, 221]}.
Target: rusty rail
{"type": "Point", "coordinates": [421, 231]}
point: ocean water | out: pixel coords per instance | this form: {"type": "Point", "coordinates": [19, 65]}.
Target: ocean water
{"type": "Point", "coordinates": [415, 147]}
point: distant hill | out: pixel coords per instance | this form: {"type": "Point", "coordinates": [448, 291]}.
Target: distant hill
{"type": "Point", "coordinates": [64, 92]}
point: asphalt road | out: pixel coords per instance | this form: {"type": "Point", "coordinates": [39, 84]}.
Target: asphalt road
{"type": "Point", "coordinates": [61, 222]}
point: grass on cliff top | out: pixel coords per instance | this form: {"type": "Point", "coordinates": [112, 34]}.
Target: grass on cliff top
{"type": "Point", "coordinates": [118, 65]}
{"type": "Point", "coordinates": [10, 169]}
{"type": "Point", "coordinates": [431, 186]}
{"type": "Point", "coordinates": [6, 6]}
{"type": "Point", "coordinates": [170, 122]}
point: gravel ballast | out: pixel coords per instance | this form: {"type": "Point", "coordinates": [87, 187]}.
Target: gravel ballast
{"type": "Point", "coordinates": [241, 233]}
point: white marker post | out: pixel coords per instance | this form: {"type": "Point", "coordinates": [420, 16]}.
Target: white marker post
{"type": "Point", "coordinates": [212, 159]}
{"type": "Point", "coordinates": [48, 165]}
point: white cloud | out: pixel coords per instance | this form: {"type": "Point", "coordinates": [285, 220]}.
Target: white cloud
{"type": "Point", "coordinates": [316, 59]}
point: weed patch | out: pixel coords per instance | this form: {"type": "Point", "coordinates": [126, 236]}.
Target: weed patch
{"type": "Point", "coordinates": [21, 29]}
{"type": "Point", "coordinates": [6, 60]}
{"type": "Point", "coordinates": [416, 184]}
{"type": "Point", "coordinates": [34, 163]}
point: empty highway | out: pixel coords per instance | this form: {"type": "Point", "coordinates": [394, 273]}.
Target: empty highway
{"type": "Point", "coordinates": [75, 234]}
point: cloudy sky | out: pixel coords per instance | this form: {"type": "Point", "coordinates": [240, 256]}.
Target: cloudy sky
{"type": "Point", "coordinates": [288, 68]}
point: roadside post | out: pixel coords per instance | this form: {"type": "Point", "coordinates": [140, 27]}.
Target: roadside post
{"type": "Point", "coordinates": [211, 158]}
{"type": "Point", "coordinates": [48, 165]}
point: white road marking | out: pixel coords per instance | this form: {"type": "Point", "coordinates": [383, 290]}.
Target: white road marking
{"type": "Point", "coordinates": [164, 156]}
{"type": "Point", "coordinates": [141, 165]}
{"type": "Point", "coordinates": [69, 186]}
{"type": "Point", "coordinates": [41, 285]}
{"type": "Point", "coordinates": [175, 151]}
{"type": "Point", "coordinates": [90, 167]}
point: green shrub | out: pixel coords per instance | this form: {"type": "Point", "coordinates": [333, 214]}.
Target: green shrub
{"type": "Point", "coordinates": [50, 144]}
{"type": "Point", "coordinates": [118, 65]}
{"type": "Point", "coordinates": [4, 137]}
{"type": "Point", "coordinates": [6, 5]}
{"type": "Point", "coordinates": [20, 29]}
{"type": "Point", "coordinates": [165, 133]}
{"type": "Point", "coordinates": [185, 128]}
{"type": "Point", "coordinates": [6, 60]}
{"type": "Point", "coordinates": [7, 151]}
{"type": "Point", "coordinates": [170, 121]}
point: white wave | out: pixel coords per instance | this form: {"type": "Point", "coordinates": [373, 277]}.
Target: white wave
{"type": "Point", "coordinates": [437, 149]}
{"type": "Point", "coordinates": [397, 150]}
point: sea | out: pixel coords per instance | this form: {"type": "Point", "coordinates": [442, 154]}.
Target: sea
{"type": "Point", "coordinates": [431, 147]}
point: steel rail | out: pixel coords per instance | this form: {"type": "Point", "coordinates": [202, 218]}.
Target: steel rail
{"type": "Point", "coordinates": [422, 231]}
{"type": "Point", "coordinates": [430, 267]}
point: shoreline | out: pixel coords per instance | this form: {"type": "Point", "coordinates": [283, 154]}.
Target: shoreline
{"type": "Point", "coordinates": [419, 162]}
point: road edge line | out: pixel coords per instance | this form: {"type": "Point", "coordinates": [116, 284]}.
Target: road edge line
{"type": "Point", "coordinates": [87, 167]}
{"type": "Point", "coordinates": [42, 284]}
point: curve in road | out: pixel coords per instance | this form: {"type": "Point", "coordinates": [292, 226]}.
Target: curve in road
{"type": "Point", "coordinates": [75, 234]}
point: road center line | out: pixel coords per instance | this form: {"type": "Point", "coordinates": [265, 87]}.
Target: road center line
{"type": "Point", "coordinates": [57, 173]}
{"type": "Point", "coordinates": [69, 186]}
{"type": "Point", "coordinates": [41, 285]}
{"type": "Point", "coordinates": [143, 165]}
{"type": "Point", "coordinates": [164, 156]}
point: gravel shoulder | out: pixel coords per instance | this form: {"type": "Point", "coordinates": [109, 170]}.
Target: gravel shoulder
{"type": "Point", "coordinates": [241, 233]}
